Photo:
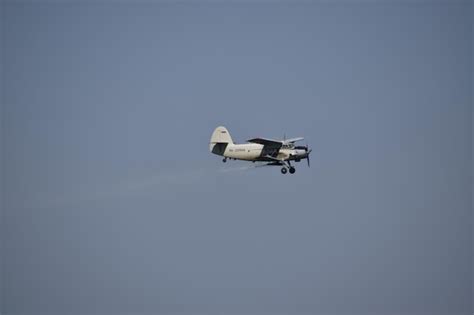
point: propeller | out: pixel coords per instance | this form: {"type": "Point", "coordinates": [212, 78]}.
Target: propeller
{"type": "Point", "coordinates": [307, 158]}
{"type": "Point", "coordinates": [307, 153]}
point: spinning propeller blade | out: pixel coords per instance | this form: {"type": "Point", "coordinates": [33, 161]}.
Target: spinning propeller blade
{"type": "Point", "coordinates": [307, 157]}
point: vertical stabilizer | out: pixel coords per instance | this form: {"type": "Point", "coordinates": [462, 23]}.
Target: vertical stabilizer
{"type": "Point", "coordinates": [219, 140]}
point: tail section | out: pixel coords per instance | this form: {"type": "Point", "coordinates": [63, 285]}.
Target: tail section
{"type": "Point", "coordinates": [219, 140]}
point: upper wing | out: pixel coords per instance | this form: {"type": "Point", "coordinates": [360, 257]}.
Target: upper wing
{"type": "Point", "coordinates": [293, 140]}
{"type": "Point", "coordinates": [271, 142]}
{"type": "Point", "coordinates": [267, 142]}
{"type": "Point", "coordinates": [270, 147]}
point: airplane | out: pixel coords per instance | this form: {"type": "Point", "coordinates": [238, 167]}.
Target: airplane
{"type": "Point", "coordinates": [274, 152]}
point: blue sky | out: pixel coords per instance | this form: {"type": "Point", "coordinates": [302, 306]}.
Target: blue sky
{"type": "Point", "coordinates": [112, 203]}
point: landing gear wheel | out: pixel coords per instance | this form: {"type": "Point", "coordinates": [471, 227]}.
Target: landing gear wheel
{"type": "Point", "coordinates": [292, 170]}
{"type": "Point", "coordinates": [224, 160]}
{"type": "Point", "coordinates": [284, 170]}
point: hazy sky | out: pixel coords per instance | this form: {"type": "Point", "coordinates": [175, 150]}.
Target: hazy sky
{"type": "Point", "coordinates": [112, 203]}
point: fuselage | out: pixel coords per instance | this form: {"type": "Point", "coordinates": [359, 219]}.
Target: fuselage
{"type": "Point", "coordinates": [254, 152]}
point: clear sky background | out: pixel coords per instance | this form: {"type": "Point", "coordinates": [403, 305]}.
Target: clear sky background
{"type": "Point", "coordinates": [112, 203]}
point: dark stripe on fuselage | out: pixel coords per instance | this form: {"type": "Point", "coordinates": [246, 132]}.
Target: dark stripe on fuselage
{"type": "Point", "coordinates": [219, 148]}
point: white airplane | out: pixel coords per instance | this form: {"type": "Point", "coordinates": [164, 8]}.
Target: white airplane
{"type": "Point", "coordinates": [275, 152]}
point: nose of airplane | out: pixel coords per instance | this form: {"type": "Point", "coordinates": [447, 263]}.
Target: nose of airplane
{"type": "Point", "coordinates": [303, 152]}
{"type": "Point", "coordinates": [302, 147]}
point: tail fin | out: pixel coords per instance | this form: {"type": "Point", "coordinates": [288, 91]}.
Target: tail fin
{"type": "Point", "coordinates": [219, 140]}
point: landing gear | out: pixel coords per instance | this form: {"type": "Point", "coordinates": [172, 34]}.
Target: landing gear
{"type": "Point", "coordinates": [224, 160]}
{"type": "Point", "coordinates": [287, 167]}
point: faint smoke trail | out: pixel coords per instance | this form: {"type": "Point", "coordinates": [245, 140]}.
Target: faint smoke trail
{"type": "Point", "coordinates": [241, 168]}
{"type": "Point", "coordinates": [134, 186]}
